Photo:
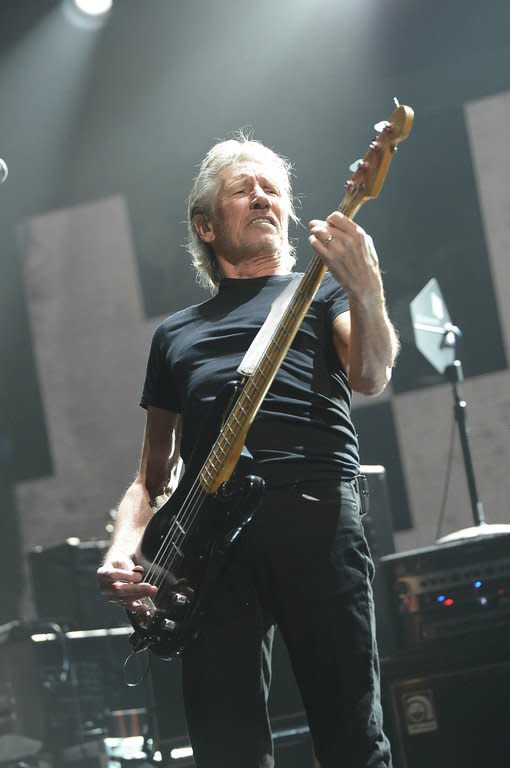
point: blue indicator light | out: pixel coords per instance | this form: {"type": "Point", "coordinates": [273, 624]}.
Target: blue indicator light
{"type": "Point", "coordinates": [477, 584]}
{"type": "Point", "coordinates": [440, 598]}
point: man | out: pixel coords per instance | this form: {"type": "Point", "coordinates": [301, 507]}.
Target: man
{"type": "Point", "coordinates": [303, 562]}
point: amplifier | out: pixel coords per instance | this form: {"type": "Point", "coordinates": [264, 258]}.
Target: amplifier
{"type": "Point", "coordinates": [449, 708]}
{"type": "Point", "coordinates": [64, 585]}
{"type": "Point", "coordinates": [449, 589]}
{"type": "Point", "coordinates": [66, 688]}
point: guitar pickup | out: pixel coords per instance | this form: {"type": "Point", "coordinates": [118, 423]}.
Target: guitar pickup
{"type": "Point", "coordinates": [169, 625]}
{"type": "Point", "coordinates": [180, 599]}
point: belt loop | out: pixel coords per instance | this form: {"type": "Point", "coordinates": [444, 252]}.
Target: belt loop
{"type": "Point", "coordinates": [364, 493]}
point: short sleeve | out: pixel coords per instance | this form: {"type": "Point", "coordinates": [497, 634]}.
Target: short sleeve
{"type": "Point", "coordinates": [335, 297]}
{"type": "Point", "coordinates": [159, 387]}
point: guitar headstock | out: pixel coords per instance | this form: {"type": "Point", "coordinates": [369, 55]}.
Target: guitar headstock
{"type": "Point", "coordinates": [369, 173]}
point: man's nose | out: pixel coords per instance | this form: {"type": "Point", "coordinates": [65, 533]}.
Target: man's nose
{"type": "Point", "coordinates": [260, 198]}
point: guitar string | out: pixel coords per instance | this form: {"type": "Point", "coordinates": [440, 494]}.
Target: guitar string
{"type": "Point", "coordinates": [185, 517]}
{"type": "Point", "coordinates": [169, 550]}
{"type": "Point", "coordinates": [166, 545]}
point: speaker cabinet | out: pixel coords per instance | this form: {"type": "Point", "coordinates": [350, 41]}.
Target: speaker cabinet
{"type": "Point", "coordinates": [67, 688]}
{"type": "Point", "coordinates": [445, 710]}
{"type": "Point", "coordinates": [65, 588]}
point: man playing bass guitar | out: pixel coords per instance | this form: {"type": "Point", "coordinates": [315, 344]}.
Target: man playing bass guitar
{"type": "Point", "coordinates": [302, 563]}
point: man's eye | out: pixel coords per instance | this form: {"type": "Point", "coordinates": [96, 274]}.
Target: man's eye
{"type": "Point", "coordinates": [271, 191]}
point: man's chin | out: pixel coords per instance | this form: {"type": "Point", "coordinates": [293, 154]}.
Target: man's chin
{"type": "Point", "coordinates": [269, 240]}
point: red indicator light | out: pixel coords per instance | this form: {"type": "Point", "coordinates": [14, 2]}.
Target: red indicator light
{"type": "Point", "coordinates": [501, 591]}
{"type": "Point", "coordinates": [448, 601]}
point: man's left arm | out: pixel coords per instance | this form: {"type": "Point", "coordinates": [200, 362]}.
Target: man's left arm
{"type": "Point", "coordinates": [364, 337]}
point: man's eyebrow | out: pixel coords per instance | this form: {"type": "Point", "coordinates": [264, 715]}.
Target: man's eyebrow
{"type": "Point", "coordinates": [243, 176]}
{"type": "Point", "coordinates": [237, 179]}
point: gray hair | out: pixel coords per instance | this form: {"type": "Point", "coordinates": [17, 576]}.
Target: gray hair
{"type": "Point", "coordinates": [205, 187]}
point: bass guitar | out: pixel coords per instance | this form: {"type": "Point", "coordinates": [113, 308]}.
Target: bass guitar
{"type": "Point", "coordinates": [185, 544]}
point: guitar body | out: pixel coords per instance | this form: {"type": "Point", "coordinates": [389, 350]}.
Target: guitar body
{"type": "Point", "coordinates": [186, 544]}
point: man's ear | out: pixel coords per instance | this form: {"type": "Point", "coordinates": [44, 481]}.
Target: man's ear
{"type": "Point", "coordinates": [204, 228]}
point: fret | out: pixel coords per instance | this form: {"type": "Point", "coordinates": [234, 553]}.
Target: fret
{"type": "Point", "coordinates": [179, 551]}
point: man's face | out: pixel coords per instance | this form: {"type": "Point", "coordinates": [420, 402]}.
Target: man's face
{"type": "Point", "coordinates": [250, 214]}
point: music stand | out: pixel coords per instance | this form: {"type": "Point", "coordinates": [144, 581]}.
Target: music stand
{"type": "Point", "coordinates": [438, 341]}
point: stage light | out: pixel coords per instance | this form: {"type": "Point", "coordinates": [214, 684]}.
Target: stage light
{"type": "Point", "coordinates": [87, 14]}
{"type": "Point", "coordinates": [94, 7]}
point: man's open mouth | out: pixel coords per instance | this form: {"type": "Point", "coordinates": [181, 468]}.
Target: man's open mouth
{"type": "Point", "coordinates": [263, 220]}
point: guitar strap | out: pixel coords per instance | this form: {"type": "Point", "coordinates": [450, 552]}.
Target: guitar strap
{"type": "Point", "coordinates": [261, 341]}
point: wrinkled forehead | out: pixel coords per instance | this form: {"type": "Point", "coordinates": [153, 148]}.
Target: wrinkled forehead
{"type": "Point", "coordinates": [262, 171]}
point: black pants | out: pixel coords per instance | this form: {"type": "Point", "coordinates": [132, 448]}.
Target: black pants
{"type": "Point", "coordinates": [303, 563]}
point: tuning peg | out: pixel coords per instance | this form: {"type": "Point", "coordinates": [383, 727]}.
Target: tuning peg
{"type": "Point", "coordinates": [379, 127]}
{"type": "Point", "coordinates": [356, 165]}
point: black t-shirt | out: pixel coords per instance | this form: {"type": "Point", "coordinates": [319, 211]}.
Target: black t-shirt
{"type": "Point", "coordinates": [305, 416]}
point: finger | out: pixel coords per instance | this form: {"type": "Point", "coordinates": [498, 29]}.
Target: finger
{"type": "Point", "coordinates": [317, 241]}
{"type": "Point", "coordinates": [343, 223]}
{"type": "Point", "coordinates": [119, 574]}
{"type": "Point", "coordinates": [320, 242]}
{"type": "Point", "coordinates": [321, 230]}
{"type": "Point", "coordinates": [120, 592]}
{"type": "Point", "coordinates": [314, 223]}
{"type": "Point", "coordinates": [135, 606]}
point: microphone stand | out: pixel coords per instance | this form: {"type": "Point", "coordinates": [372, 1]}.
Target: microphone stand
{"type": "Point", "coordinates": [454, 374]}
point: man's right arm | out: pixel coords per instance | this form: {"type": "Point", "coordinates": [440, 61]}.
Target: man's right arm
{"type": "Point", "coordinates": [120, 580]}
